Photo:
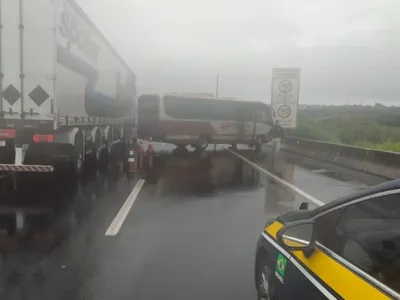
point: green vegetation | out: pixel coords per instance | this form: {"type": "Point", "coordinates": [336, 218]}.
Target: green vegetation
{"type": "Point", "coordinates": [376, 127]}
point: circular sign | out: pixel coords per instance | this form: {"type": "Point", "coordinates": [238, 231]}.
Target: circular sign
{"type": "Point", "coordinates": [284, 111]}
{"type": "Point", "coordinates": [285, 86]}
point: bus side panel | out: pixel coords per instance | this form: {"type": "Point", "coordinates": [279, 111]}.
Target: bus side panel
{"type": "Point", "coordinates": [149, 107]}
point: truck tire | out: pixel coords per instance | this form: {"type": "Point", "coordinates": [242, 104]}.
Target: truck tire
{"type": "Point", "coordinates": [107, 152]}
{"type": "Point", "coordinates": [180, 149]}
{"type": "Point", "coordinates": [96, 150]}
{"type": "Point", "coordinates": [78, 156]}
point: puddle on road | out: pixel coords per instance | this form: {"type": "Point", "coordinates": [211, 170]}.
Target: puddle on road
{"type": "Point", "coordinates": [332, 174]}
{"type": "Point", "coordinates": [194, 175]}
{"type": "Point", "coordinates": [51, 211]}
{"type": "Point", "coordinates": [222, 171]}
{"type": "Point", "coordinates": [30, 245]}
{"type": "Point", "coordinates": [39, 216]}
{"type": "Point", "coordinates": [38, 219]}
{"type": "Point", "coordinates": [316, 168]}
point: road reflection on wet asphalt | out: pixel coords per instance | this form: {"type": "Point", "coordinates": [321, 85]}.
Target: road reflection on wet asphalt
{"type": "Point", "coordinates": [191, 233]}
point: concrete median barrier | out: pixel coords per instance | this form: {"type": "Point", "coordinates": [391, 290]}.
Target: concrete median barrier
{"type": "Point", "coordinates": [352, 157]}
{"type": "Point", "coordinates": [382, 163]}
{"type": "Point", "coordinates": [327, 152]}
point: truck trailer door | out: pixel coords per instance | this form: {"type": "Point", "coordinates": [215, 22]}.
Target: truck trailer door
{"type": "Point", "coordinates": [27, 59]}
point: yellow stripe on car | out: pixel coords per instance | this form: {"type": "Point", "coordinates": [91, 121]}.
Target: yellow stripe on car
{"type": "Point", "coordinates": [343, 281]}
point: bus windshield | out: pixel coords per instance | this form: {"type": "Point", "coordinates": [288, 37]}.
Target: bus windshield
{"type": "Point", "coordinates": [264, 115]}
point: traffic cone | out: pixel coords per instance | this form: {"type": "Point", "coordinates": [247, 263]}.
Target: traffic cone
{"type": "Point", "coordinates": [131, 162]}
{"type": "Point", "coordinates": [150, 154]}
{"type": "Point", "coordinates": [141, 155]}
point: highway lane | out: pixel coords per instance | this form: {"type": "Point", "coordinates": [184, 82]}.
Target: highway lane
{"type": "Point", "coordinates": [190, 235]}
{"type": "Point", "coordinates": [321, 180]}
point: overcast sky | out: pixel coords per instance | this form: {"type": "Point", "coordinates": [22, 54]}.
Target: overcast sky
{"type": "Point", "coordinates": [349, 50]}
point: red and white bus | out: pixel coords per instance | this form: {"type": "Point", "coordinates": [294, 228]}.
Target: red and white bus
{"type": "Point", "coordinates": [195, 120]}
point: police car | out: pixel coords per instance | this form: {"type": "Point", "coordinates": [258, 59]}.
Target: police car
{"type": "Point", "coordinates": [346, 249]}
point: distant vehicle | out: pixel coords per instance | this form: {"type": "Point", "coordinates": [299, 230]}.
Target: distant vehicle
{"type": "Point", "coordinates": [346, 249]}
{"type": "Point", "coordinates": [192, 120]}
{"type": "Point", "coordinates": [65, 93]}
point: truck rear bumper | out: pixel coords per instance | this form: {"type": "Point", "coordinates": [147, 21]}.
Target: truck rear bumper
{"type": "Point", "coordinates": [34, 157]}
{"type": "Point", "coordinates": [26, 168]}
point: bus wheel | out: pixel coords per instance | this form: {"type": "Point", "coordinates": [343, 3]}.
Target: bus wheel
{"type": "Point", "coordinates": [180, 149]}
{"type": "Point", "coordinates": [203, 141]}
{"type": "Point", "coordinates": [259, 142]}
{"type": "Point", "coordinates": [233, 147]}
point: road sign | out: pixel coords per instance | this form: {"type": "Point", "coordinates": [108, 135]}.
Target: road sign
{"type": "Point", "coordinates": [285, 113]}
{"type": "Point", "coordinates": [285, 95]}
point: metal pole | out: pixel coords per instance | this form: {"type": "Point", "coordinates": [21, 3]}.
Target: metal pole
{"type": "Point", "coordinates": [21, 55]}
{"type": "Point", "coordinates": [1, 68]}
{"type": "Point", "coordinates": [216, 93]}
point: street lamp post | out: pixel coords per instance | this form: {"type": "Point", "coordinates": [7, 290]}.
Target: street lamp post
{"type": "Point", "coordinates": [216, 92]}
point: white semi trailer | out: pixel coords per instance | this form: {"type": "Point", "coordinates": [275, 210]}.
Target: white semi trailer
{"type": "Point", "coordinates": [65, 93]}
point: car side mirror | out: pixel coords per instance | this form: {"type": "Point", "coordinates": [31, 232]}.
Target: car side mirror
{"type": "Point", "coordinates": [298, 236]}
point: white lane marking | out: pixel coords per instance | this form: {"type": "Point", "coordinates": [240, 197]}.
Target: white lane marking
{"type": "Point", "coordinates": [119, 219]}
{"type": "Point", "coordinates": [280, 180]}
{"type": "Point", "coordinates": [301, 268]}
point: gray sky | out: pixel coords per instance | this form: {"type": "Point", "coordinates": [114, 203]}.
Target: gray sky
{"type": "Point", "coordinates": [349, 50]}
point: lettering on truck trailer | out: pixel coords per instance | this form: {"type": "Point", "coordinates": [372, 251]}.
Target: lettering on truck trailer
{"type": "Point", "coordinates": [77, 34]}
{"type": "Point", "coordinates": [98, 101]}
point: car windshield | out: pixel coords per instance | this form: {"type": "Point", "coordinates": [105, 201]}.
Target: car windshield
{"type": "Point", "coordinates": [143, 144]}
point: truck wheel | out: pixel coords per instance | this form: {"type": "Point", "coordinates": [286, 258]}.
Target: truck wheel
{"type": "Point", "coordinates": [108, 149]}
{"type": "Point", "coordinates": [97, 148]}
{"type": "Point", "coordinates": [107, 152]}
{"type": "Point", "coordinates": [180, 149]}
{"type": "Point", "coordinates": [233, 147]}
{"type": "Point", "coordinates": [78, 155]}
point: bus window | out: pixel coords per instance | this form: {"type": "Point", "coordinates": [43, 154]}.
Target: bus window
{"type": "Point", "coordinates": [223, 110]}
{"type": "Point", "coordinates": [198, 109]}
{"type": "Point", "coordinates": [265, 116]}
{"type": "Point", "coordinates": [148, 102]}
{"type": "Point", "coordinates": [148, 107]}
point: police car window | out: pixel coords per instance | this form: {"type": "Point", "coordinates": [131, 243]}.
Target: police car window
{"type": "Point", "coordinates": [367, 234]}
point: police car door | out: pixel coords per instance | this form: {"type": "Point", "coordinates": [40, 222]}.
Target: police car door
{"type": "Point", "coordinates": [357, 254]}
{"type": "Point", "coordinates": [291, 277]}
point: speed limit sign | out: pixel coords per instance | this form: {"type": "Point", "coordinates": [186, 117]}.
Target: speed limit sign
{"type": "Point", "coordinates": [285, 95]}
{"type": "Point", "coordinates": [285, 114]}
{"type": "Point", "coordinates": [284, 111]}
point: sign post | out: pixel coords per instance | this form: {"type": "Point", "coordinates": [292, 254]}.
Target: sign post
{"type": "Point", "coordinates": [285, 95]}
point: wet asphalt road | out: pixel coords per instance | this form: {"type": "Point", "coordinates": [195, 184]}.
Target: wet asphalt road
{"type": "Point", "coordinates": [191, 233]}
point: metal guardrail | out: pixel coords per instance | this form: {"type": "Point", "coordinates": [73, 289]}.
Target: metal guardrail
{"type": "Point", "coordinates": [377, 162]}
